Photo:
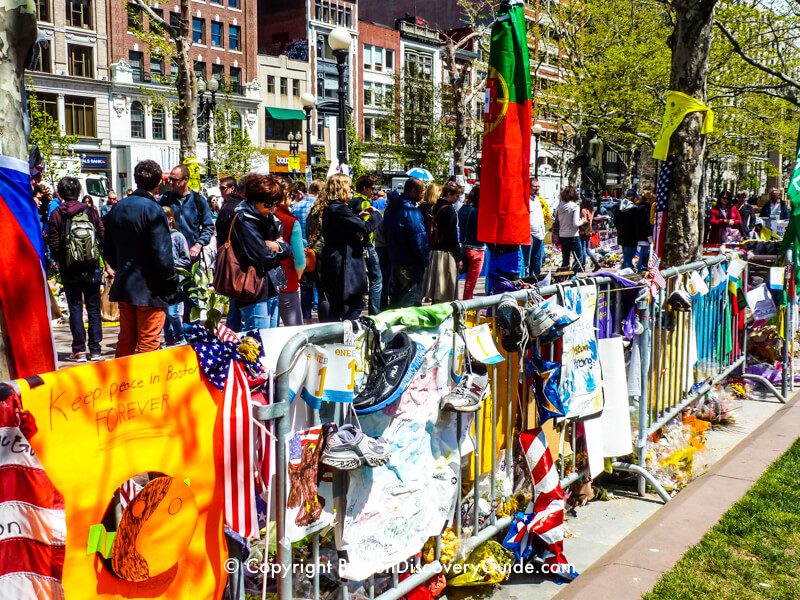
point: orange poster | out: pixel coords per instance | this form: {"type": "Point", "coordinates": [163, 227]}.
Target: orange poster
{"type": "Point", "coordinates": [101, 424]}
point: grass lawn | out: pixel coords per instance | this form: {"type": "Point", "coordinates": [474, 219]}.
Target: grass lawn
{"type": "Point", "coordinates": [753, 552]}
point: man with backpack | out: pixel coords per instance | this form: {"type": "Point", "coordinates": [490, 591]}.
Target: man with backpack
{"type": "Point", "coordinates": [75, 238]}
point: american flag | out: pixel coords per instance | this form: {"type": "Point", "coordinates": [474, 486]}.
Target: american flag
{"type": "Point", "coordinates": [663, 187]}
{"type": "Point", "coordinates": [300, 440]}
{"type": "Point", "coordinates": [225, 369]}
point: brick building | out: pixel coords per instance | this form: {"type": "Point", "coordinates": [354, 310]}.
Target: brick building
{"type": "Point", "coordinates": [223, 47]}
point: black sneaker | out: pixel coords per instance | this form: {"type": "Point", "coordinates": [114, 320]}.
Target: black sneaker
{"type": "Point", "coordinates": [508, 320]}
{"type": "Point", "coordinates": [391, 370]}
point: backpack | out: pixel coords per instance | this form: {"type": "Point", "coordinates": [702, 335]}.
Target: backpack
{"type": "Point", "coordinates": [81, 240]}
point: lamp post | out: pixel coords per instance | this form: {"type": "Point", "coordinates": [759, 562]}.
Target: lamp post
{"type": "Point", "coordinates": [537, 131]}
{"type": "Point", "coordinates": [207, 106]}
{"type": "Point", "coordinates": [339, 41]}
{"type": "Point", "coordinates": [308, 101]}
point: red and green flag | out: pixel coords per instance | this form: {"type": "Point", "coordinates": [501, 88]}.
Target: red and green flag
{"type": "Point", "coordinates": [791, 239]}
{"type": "Point", "coordinates": [503, 216]}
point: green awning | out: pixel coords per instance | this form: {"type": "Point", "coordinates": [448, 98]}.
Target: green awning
{"type": "Point", "coordinates": [286, 114]}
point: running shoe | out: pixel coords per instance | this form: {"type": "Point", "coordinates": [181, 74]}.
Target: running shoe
{"type": "Point", "coordinates": [468, 394]}
{"type": "Point", "coordinates": [78, 356]}
{"type": "Point", "coordinates": [347, 448]}
{"type": "Point", "coordinates": [508, 319]}
{"type": "Point", "coordinates": [391, 370]}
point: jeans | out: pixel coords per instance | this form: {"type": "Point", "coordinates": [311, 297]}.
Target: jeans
{"type": "Point", "coordinates": [644, 255]}
{"type": "Point", "coordinates": [571, 246]}
{"type": "Point", "coordinates": [306, 300]}
{"type": "Point", "coordinates": [407, 284]}
{"type": "Point", "coordinates": [375, 280]}
{"type": "Point", "coordinates": [78, 292]}
{"type": "Point", "coordinates": [139, 329]}
{"type": "Point", "coordinates": [256, 315]}
{"type": "Point", "coordinates": [474, 266]}
{"type": "Point", "coordinates": [289, 308]}
{"type": "Point", "coordinates": [173, 330]}
{"type": "Point", "coordinates": [536, 259]}
{"type": "Point", "coordinates": [234, 320]}
{"type": "Point", "coordinates": [273, 305]}
{"type": "Point", "coordinates": [628, 252]}
{"type": "Point", "coordinates": [586, 247]}
{"type": "Point", "coordinates": [386, 275]}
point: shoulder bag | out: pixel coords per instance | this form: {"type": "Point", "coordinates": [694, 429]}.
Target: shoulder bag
{"type": "Point", "coordinates": [229, 277]}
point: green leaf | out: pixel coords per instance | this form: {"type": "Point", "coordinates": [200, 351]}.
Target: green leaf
{"type": "Point", "coordinates": [183, 272]}
{"type": "Point", "coordinates": [195, 313]}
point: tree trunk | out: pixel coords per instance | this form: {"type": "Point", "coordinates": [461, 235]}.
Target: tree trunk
{"type": "Point", "coordinates": [18, 23]}
{"type": "Point", "coordinates": [459, 84]}
{"type": "Point", "coordinates": [186, 85]}
{"type": "Point", "coordinates": [690, 43]}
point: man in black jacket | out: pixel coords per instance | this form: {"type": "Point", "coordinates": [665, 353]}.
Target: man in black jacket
{"type": "Point", "coordinates": [139, 249]}
{"type": "Point", "coordinates": [81, 278]}
{"type": "Point", "coordinates": [192, 213]}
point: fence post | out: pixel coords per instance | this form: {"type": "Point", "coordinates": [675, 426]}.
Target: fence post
{"type": "Point", "coordinates": [643, 308]}
{"type": "Point", "coordinates": [787, 323]}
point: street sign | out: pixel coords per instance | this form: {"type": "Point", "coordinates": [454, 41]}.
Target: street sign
{"type": "Point", "coordinates": [294, 163]}
{"type": "Point", "coordinates": [309, 175]}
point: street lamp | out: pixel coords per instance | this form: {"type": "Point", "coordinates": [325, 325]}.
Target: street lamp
{"type": "Point", "coordinates": [308, 101]}
{"type": "Point", "coordinates": [537, 131]}
{"type": "Point", "coordinates": [339, 41]}
{"type": "Point", "coordinates": [206, 107]}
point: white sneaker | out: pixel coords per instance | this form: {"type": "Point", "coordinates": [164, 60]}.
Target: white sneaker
{"type": "Point", "coordinates": [468, 394]}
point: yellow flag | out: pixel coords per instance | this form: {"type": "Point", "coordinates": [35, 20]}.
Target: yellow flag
{"type": "Point", "coordinates": [678, 106]}
{"type": "Point", "coordinates": [195, 183]}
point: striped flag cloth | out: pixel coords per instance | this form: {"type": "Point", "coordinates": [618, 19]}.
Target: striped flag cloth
{"type": "Point", "coordinates": [23, 284]}
{"type": "Point", "coordinates": [544, 517]}
{"type": "Point", "coordinates": [34, 527]}
{"type": "Point", "coordinates": [663, 188]}
{"type": "Point", "coordinates": [237, 429]}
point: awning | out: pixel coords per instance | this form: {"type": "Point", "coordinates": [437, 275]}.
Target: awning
{"type": "Point", "coordinates": [286, 114]}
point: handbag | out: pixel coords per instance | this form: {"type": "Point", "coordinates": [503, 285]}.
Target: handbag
{"type": "Point", "coordinates": [233, 281]}
{"type": "Point", "coordinates": [311, 256]}
{"type": "Point", "coordinates": [554, 232]}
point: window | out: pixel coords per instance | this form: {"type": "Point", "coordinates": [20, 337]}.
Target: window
{"type": "Point", "coordinates": [134, 18]}
{"type": "Point", "coordinates": [325, 9]}
{"type": "Point", "coordinates": [236, 76]}
{"type": "Point", "coordinates": [318, 10]}
{"type": "Point", "coordinates": [341, 15]}
{"type": "Point", "coordinates": [79, 13]}
{"type": "Point", "coordinates": [44, 64]}
{"type": "Point", "coordinates": [218, 73]}
{"type": "Point", "coordinates": [389, 60]}
{"type": "Point", "coordinates": [43, 10]}
{"type": "Point", "coordinates": [367, 93]}
{"type": "Point", "coordinates": [137, 120]}
{"type": "Point", "coordinates": [81, 63]}
{"type": "Point", "coordinates": [154, 25]}
{"type": "Point", "coordinates": [175, 20]}
{"type": "Point", "coordinates": [279, 129]}
{"type": "Point", "coordinates": [270, 84]}
{"type": "Point", "coordinates": [321, 128]}
{"type": "Point", "coordinates": [200, 70]}
{"type": "Point", "coordinates": [215, 1]}
{"type": "Point", "coordinates": [79, 113]}
{"type": "Point", "coordinates": [367, 56]}
{"type": "Point", "coordinates": [236, 124]}
{"type": "Point", "coordinates": [234, 3]}
{"type": "Point", "coordinates": [419, 64]}
{"type": "Point", "coordinates": [216, 34]}
{"type": "Point", "coordinates": [348, 17]}
{"type": "Point", "coordinates": [284, 86]}
{"type": "Point", "coordinates": [379, 59]}
{"type": "Point", "coordinates": [176, 126]}
{"type": "Point", "coordinates": [198, 30]}
{"type": "Point", "coordinates": [156, 69]}
{"type": "Point", "coordinates": [329, 87]}
{"type": "Point", "coordinates": [159, 131]}
{"type": "Point", "coordinates": [234, 33]}
{"type": "Point", "coordinates": [369, 131]}
{"type": "Point", "coordinates": [135, 59]}
{"type": "Point", "coordinates": [48, 103]}
{"type": "Point", "coordinates": [295, 88]}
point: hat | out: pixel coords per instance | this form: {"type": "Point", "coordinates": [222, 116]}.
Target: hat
{"type": "Point", "coordinates": [631, 193]}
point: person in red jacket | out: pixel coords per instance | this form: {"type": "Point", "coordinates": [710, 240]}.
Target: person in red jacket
{"type": "Point", "coordinates": [724, 214]}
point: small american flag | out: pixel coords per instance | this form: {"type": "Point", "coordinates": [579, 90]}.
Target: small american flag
{"type": "Point", "coordinates": [663, 188]}
{"type": "Point", "coordinates": [300, 440]}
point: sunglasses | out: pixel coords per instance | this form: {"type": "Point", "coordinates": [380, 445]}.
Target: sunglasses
{"type": "Point", "coordinates": [177, 179]}
{"type": "Point", "coordinates": [227, 187]}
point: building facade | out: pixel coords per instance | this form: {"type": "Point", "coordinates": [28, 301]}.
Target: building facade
{"type": "Point", "coordinates": [143, 97]}
{"type": "Point", "coordinates": [71, 80]}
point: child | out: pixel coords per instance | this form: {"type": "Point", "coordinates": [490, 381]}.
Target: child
{"type": "Point", "coordinates": [173, 328]}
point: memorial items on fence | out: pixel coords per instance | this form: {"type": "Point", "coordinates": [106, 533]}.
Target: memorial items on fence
{"type": "Point", "coordinates": [487, 564]}
{"type": "Point", "coordinates": [103, 423]}
{"type": "Point", "coordinates": [480, 345]}
{"type": "Point", "coordinates": [544, 378]}
{"type": "Point", "coordinates": [615, 419]}
{"type": "Point", "coordinates": [33, 530]}
{"type": "Point", "coordinates": [309, 507]}
{"type": "Point", "coordinates": [759, 300]}
{"type": "Point", "coordinates": [580, 386]}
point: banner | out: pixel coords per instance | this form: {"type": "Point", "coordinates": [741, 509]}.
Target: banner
{"type": "Point", "coordinates": [504, 213]}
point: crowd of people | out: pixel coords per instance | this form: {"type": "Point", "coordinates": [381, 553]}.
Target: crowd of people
{"type": "Point", "coordinates": [340, 246]}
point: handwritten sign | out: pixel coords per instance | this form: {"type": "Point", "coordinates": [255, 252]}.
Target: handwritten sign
{"type": "Point", "coordinates": [481, 345]}
{"type": "Point", "coordinates": [101, 424]}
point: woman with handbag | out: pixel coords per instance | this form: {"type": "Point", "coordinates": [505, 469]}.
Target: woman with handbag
{"type": "Point", "coordinates": [249, 267]}
{"type": "Point", "coordinates": [344, 270]}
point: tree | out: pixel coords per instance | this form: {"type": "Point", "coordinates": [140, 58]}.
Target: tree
{"type": "Point", "coordinates": [178, 44]}
{"type": "Point", "coordinates": [232, 152]}
{"type": "Point", "coordinates": [355, 149]}
{"type": "Point", "coordinates": [55, 147]}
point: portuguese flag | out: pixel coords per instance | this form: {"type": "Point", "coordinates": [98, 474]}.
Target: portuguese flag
{"type": "Point", "coordinates": [503, 215]}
